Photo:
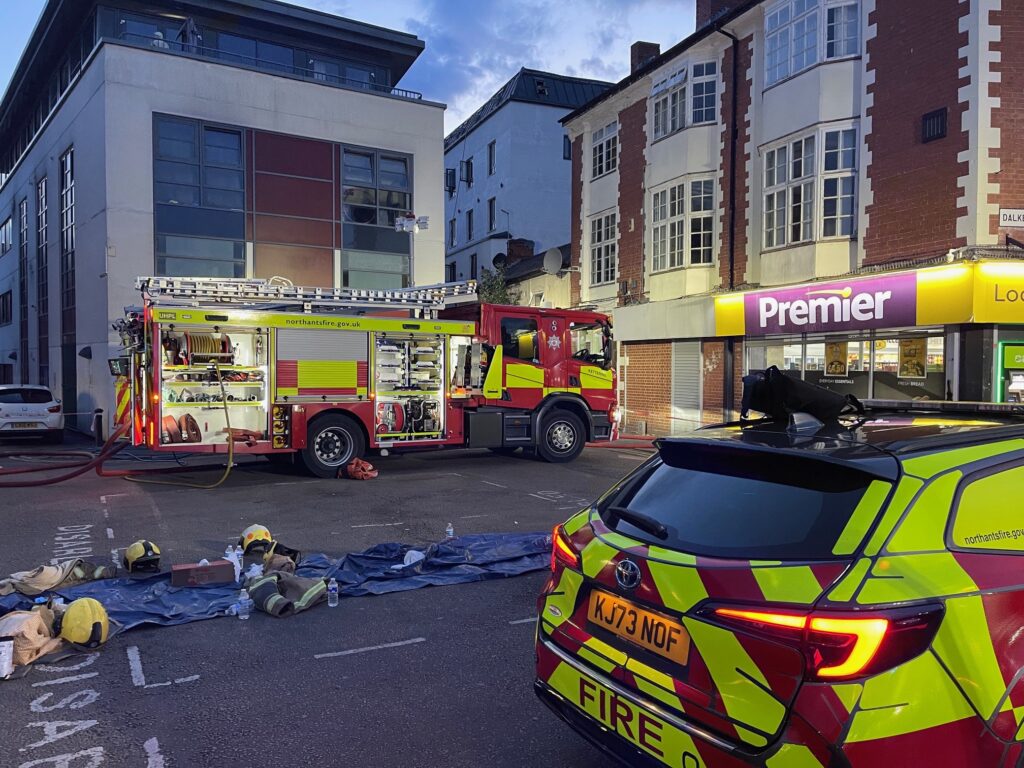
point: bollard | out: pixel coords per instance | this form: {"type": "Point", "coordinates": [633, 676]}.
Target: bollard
{"type": "Point", "coordinates": [97, 426]}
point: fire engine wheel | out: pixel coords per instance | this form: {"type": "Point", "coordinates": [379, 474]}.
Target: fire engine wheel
{"type": "Point", "coordinates": [332, 442]}
{"type": "Point", "coordinates": [561, 437]}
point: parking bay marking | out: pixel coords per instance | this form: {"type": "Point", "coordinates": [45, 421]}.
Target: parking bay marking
{"type": "Point", "coordinates": [530, 620]}
{"type": "Point", "coordinates": [139, 677]}
{"type": "Point", "coordinates": [384, 646]}
{"type": "Point", "coordinates": [377, 525]}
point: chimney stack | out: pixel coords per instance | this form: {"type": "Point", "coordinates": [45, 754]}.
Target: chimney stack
{"type": "Point", "coordinates": [640, 53]}
{"type": "Point", "coordinates": [709, 9]}
{"type": "Point", "coordinates": [519, 248]}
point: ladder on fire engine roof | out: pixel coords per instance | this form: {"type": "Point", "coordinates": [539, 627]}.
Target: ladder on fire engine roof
{"type": "Point", "coordinates": [271, 294]}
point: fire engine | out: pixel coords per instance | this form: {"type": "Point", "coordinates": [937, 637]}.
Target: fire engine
{"type": "Point", "coordinates": [330, 374]}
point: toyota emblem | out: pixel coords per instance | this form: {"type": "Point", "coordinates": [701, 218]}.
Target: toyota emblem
{"type": "Point", "coordinates": [627, 574]}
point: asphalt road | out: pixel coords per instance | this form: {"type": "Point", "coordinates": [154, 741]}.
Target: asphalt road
{"type": "Point", "coordinates": [439, 676]}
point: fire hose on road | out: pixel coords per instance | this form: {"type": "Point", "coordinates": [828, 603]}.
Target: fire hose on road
{"type": "Point", "coordinates": [87, 461]}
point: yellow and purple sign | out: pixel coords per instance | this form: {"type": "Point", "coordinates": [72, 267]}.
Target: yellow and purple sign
{"type": "Point", "coordinates": [976, 292]}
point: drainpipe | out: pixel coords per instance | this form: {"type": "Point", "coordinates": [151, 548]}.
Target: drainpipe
{"type": "Point", "coordinates": [728, 398]}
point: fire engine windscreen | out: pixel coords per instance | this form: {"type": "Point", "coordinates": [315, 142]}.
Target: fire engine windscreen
{"type": "Point", "coordinates": [592, 344]}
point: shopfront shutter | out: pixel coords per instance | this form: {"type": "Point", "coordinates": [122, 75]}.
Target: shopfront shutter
{"type": "Point", "coordinates": [686, 386]}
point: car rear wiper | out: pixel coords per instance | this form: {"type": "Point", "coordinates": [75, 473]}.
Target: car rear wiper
{"type": "Point", "coordinates": [639, 520]}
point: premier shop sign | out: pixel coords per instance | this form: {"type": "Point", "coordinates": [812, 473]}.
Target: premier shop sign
{"type": "Point", "coordinates": [852, 305]}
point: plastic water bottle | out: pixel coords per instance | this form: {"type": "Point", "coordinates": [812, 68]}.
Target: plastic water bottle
{"type": "Point", "coordinates": [229, 554]}
{"type": "Point", "coordinates": [332, 593]}
{"type": "Point", "coordinates": [449, 532]}
{"type": "Point", "coordinates": [244, 604]}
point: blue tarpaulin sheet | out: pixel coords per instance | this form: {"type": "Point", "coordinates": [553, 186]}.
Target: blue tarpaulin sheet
{"type": "Point", "coordinates": [375, 571]}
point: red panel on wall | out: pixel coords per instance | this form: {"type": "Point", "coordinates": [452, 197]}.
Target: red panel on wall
{"type": "Point", "coordinates": [276, 229]}
{"type": "Point", "coordinates": [303, 266]}
{"type": "Point", "coordinates": [294, 197]}
{"type": "Point", "coordinates": [294, 156]}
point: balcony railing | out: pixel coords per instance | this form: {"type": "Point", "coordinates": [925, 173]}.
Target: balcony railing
{"type": "Point", "coordinates": [264, 65]}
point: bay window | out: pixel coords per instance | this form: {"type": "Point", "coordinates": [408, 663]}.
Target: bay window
{"type": "Point", "coordinates": [800, 180]}
{"type": "Point", "coordinates": [793, 39]}
{"type": "Point", "coordinates": [675, 211]}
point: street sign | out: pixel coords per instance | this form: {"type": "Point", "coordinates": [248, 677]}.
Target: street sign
{"type": "Point", "coordinates": [1011, 218]}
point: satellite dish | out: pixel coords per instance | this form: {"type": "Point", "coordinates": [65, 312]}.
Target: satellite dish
{"type": "Point", "coordinates": [499, 261]}
{"type": "Point", "coordinates": [552, 261]}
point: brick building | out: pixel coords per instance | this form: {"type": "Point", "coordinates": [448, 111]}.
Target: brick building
{"type": "Point", "coordinates": [834, 187]}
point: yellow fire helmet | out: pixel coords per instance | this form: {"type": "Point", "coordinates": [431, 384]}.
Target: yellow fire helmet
{"type": "Point", "coordinates": [256, 538]}
{"type": "Point", "coordinates": [143, 555]}
{"type": "Point", "coordinates": [85, 623]}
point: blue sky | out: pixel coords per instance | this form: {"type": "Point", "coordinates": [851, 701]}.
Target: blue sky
{"type": "Point", "coordinates": [472, 46]}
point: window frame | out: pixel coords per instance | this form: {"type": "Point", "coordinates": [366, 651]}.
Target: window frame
{"type": "Point", "coordinates": [789, 159]}
{"type": "Point", "coordinates": [785, 58]}
{"type": "Point", "coordinates": [525, 322]}
{"type": "Point", "coordinates": [452, 232]}
{"type": "Point", "coordinates": [492, 214]}
{"type": "Point", "coordinates": [672, 223]}
{"type": "Point", "coordinates": [491, 157]}
{"type": "Point", "coordinates": [7, 308]}
{"type": "Point", "coordinates": [603, 246]}
{"type": "Point", "coordinates": [604, 151]}
{"type": "Point", "coordinates": [469, 225]}
{"type": "Point", "coordinates": [6, 235]}
{"type": "Point", "coordinates": [706, 78]}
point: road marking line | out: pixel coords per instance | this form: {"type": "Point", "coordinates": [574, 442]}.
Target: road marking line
{"type": "Point", "coordinates": [472, 517]}
{"type": "Point", "coordinates": [188, 679]}
{"type": "Point", "coordinates": [496, 485]}
{"type": "Point", "coordinates": [530, 620]}
{"type": "Point", "coordinates": [537, 496]}
{"type": "Point", "coordinates": [377, 525]}
{"type": "Point", "coordinates": [456, 474]}
{"type": "Point", "coordinates": [110, 533]}
{"type": "Point", "coordinates": [103, 499]}
{"type": "Point", "coordinates": [135, 664]}
{"type": "Point", "coordinates": [370, 648]}
{"type": "Point", "coordinates": [157, 685]}
{"type": "Point", "coordinates": [153, 757]}
{"type": "Point", "coordinates": [62, 680]}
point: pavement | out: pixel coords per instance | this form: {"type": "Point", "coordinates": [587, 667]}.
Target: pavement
{"type": "Point", "coordinates": [439, 676]}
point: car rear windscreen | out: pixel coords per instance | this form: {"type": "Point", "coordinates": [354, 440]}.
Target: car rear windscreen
{"type": "Point", "coordinates": [743, 504]}
{"type": "Point", "coordinates": [25, 396]}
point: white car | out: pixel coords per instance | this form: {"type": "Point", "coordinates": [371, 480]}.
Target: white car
{"type": "Point", "coordinates": [28, 410]}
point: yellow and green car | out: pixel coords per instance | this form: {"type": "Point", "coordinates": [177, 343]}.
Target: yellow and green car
{"type": "Point", "coordinates": [852, 598]}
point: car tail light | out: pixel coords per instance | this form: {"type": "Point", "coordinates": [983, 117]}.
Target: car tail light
{"type": "Point", "coordinates": [54, 408]}
{"type": "Point", "coordinates": [562, 551]}
{"type": "Point", "coordinates": [841, 646]}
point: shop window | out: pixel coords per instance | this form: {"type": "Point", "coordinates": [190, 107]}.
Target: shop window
{"type": "Point", "coordinates": [784, 355]}
{"type": "Point", "coordinates": [840, 364]}
{"type": "Point", "coordinates": [910, 367]}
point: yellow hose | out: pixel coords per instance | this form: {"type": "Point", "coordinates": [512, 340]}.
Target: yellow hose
{"type": "Point", "coordinates": [231, 450]}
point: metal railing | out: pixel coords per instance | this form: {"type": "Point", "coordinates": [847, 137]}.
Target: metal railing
{"type": "Point", "coordinates": [264, 65]}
